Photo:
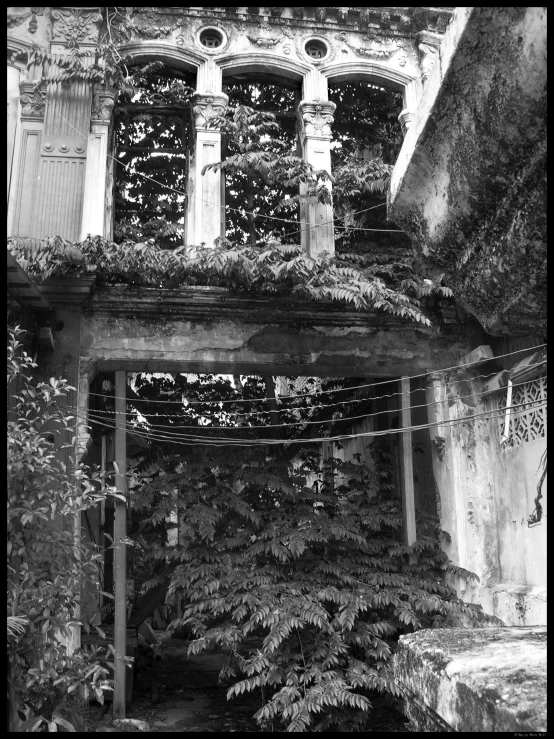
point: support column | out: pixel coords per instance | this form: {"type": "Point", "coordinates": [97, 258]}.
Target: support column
{"type": "Point", "coordinates": [408, 501]}
{"type": "Point", "coordinates": [204, 221]}
{"type": "Point", "coordinates": [94, 196]}
{"type": "Point", "coordinates": [58, 204]}
{"type": "Point", "coordinates": [26, 156]}
{"type": "Point", "coordinates": [451, 500]}
{"type": "Point", "coordinates": [316, 119]}
{"type": "Point", "coordinates": [13, 114]}
{"type": "Point", "coordinates": [120, 553]}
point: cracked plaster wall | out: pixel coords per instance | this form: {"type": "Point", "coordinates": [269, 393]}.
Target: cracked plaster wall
{"type": "Point", "coordinates": [486, 495]}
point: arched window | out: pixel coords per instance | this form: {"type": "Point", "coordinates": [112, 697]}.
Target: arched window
{"type": "Point", "coordinates": [366, 141]}
{"type": "Point", "coordinates": [256, 206]}
{"type": "Point", "coordinates": [151, 146]}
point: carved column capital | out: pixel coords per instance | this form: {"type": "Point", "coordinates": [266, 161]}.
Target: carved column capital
{"type": "Point", "coordinates": [103, 102]}
{"type": "Point", "coordinates": [316, 117]}
{"type": "Point", "coordinates": [206, 106]}
{"type": "Point", "coordinates": [75, 26]}
{"type": "Point", "coordinates": [33, 100]}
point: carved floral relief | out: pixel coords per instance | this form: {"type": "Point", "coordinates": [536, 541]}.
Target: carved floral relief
{"type": "Point", "coordinates": [33, 100]}
{"type": "Point", "coordinates": [75, 26]}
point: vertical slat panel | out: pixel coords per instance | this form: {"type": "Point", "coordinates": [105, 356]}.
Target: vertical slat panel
{"type": "Point", "coordinates": [120, 532]}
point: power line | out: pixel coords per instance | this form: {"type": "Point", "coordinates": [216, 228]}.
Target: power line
{"type": "Point", "coordinates": [328, 392]}
{"type": "Point", "coordinates": [156, 426]}
{"type": "Point", "coordinates": [225, 441]}
{"type": "Point", "coordinates": [242, 210]}
{"type": "Point", "coordinates": [293, 409]}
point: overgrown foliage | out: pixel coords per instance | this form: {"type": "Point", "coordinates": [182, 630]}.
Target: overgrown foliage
{"type": "Point", "coordinates": [273, 269]}
{"type": "Point", "coordinates": [266, 180]}
{"type": "Point", "coordinates": [47, 567]}
{"type": "Point", "coordinates": [295, 566]}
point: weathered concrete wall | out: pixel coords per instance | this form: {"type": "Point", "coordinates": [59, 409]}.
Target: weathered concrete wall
{"type": "Point", "coordinates": [207, 330]}
{"type": "Point", "coordinates": [486, 495]}
{"type": "Point", "coordinates": [469, 183]}
{"type": "Point", "coordinates": [474, 680]}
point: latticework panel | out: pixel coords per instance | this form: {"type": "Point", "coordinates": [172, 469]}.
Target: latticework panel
{"type": "Point", "coordinates": [528, 421]}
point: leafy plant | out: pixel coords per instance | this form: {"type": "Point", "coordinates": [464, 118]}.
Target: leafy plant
{"type": "Point", "coordinates": [300, 570]}
{"type": "Point", "coordinates": [47, 566]}
{"type": "Point", "coordinates": [273, 269]}
{"type": "Point", "coordinates": [296, 567]}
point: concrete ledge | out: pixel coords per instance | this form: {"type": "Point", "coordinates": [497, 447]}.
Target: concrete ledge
{"type": "Point", "coordinates": [471, 680]}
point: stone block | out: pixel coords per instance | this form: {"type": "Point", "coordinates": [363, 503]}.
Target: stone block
{"type": "Point", "coordinates": [473, 680]}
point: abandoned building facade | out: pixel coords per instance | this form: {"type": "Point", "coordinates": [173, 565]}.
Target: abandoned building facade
{"type": "Point", "coordinates": [467, 188]}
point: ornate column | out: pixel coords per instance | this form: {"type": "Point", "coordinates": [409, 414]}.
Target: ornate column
{"type": "Point", "coordinates": [316, 119]}
{"type": "Point", "coordinates": [205, 216]}
{"type": "Point", "coordinates": [58, 206]}
{"type": "Point", "coordinates": [13, 105]}
{"type": "Point", "coordinates": [94, 196]}
{"type": "Point", "coordinates": [26, 155]}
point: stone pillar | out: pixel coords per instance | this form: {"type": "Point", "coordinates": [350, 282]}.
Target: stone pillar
{"type": "Point", "coordinates": [204, 217]}
{"type": "Point", "coordinates": [446, 469]}
{"type": "Point", "coordinates": [58, 207]}
{"type": "Point", "coordinates": [13, 117]}
{"type": "Point", "coordinates": [316, 119]}
{"type": "Point", "coordinates": [94, 196]}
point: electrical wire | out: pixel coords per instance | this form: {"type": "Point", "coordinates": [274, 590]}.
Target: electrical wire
{"type": "Point", "coordinates": [242, 210]}
{"type": "Point", "coordinates": [293, 409]}
{"type": "Point", "coordinates": [225, 441]}
{"type": "Point", "coordinates": [156, 426]}
{"type": "Point", "coordinates": [328, 392]}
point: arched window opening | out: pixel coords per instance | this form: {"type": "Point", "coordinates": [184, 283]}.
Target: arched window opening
{"type": "Point", "coordinates": [151, 143]}
{"type": "Point", "coordinates": [366, 141]}
{"type": "Point", "coordinates": [260, 205]}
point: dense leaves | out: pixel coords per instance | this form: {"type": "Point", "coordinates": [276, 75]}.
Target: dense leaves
{"type": "Point", "coordinates": [273, 269]}
{"type": "Point", "coordinates": [47, 568]}
{"type": "Point", "coordinates": [298, 567]}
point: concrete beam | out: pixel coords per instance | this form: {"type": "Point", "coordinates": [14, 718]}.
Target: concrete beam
{"type": "Point", "coordinates": [211, 330]}
{"type": "Point", "coordinates": [469, 182]}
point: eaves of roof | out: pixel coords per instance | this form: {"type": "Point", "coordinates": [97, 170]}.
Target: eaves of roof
{"type": "Point", "coordinates": [22, 288]}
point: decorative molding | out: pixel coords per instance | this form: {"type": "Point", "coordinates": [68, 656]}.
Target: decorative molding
{"type": "Point", "coordinates": [16, 20]}
{"type": "Point", "coordinates": [264, 43]}
{"type": "Point", "coordinates": [33, 100]}
{"type": "Point", "coordinates": [406, 117]}
{"type": "Point", "coordinates": [528, 420]}
{"type": "Point", "coordinates": [74, 26]}
{"type": "Point", "coordinates": [198, 29]}
{"type": "Point", "coordinates": [428, 56]}
{"type": "Point", "coordinates": [206, 106]}
{"type": "Point", "coordinates": [103, 102]}
{"type": "Point", "coordinates": [301, 42]}
{"type": "Point", "coordinates": [381, 48]}
{"type": "Point", "coordinates": [316, 117]}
